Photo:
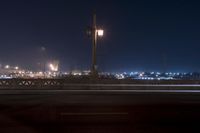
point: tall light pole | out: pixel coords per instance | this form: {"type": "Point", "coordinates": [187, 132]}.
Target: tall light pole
{"type": "Point", "coordinates": [94, 47]}
{"type": "Point", "coordinates": [94, 32]}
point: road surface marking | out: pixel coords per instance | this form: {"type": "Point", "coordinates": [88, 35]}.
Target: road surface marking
{"type": "Point", "coordinates": [133, 85]}
{"type": "Point", "coordinates": [47, 92]}
{"type": "Point", "coordinates": [94, 113]}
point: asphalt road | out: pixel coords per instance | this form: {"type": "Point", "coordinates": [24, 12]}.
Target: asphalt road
{"type": "Point", "coordinates": [109, 110]}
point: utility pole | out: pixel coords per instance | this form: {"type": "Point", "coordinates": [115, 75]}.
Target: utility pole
{"type": "Point", "coordinates": [94, 32]}
{"type": "Point", "coordinates": [94, 47]}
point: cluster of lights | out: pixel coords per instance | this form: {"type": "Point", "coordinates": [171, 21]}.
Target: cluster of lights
{"type": "Point", "coordinates": [170, 73]}
{"type": "Point", "coordinates": [9, 67]}
{"type": "Point", "coordinates": [77, 73]}
{"type": "Point", "coordinates": [53, 67]}
{"type": "Point", "coordinates": [147, 75]}
{"type": "Point", "coordinates": [120, 76]}
{"type": "Point", "coordinates": [5, 77]}
{"type": "Point", "coordinates": [15, 71]}
{"type": "Point", "coordinates": [147, 78]}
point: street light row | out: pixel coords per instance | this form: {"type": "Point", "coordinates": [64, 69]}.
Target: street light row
{"type": "Point", "coordinates": [52, 67]}
{"type": "Point", "coordinates": [8, 67]}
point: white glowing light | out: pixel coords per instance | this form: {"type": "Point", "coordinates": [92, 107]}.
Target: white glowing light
{"type": "Point", "coordinates": [77, 74]}
{"type": "Point", "coordinates": [16, 68]}
{"type": "Point", "coordinates": [158, 73]}
{"type": "Point", "coordinates": [152, 72]}
{"type": "Point", "coordinates": [100, 32]}
{"type": "Point", "coordinates": [40, 73]}
{"type": "Point", "coordinates": [140, 74]}
{"type": "Point", "coordinates": [7, 67]}
{"type": "Point", "coordinates": [53, 67]}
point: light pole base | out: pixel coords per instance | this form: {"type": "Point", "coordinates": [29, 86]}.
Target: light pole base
{"type": "Point", "coordinates": [94, 74]}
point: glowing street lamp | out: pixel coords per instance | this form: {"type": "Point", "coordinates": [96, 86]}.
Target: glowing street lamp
{"type": "Point", "coordinates": [94, 32]}
{"type": "Point", "coordinates": [100, 32]}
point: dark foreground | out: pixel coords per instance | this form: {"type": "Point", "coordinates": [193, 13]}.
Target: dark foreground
{"type": "Point", "coordinates": [105, 112]}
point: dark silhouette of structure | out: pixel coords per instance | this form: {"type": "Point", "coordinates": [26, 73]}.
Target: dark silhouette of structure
{"type": "Point", "coordinates": [94, 32]}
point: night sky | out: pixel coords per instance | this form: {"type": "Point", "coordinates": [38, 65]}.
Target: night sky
{"type": "Point", "coordinates": [142, 35]}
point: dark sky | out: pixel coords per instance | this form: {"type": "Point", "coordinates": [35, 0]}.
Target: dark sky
{"type": "Point", "coordinates": [143, 35]}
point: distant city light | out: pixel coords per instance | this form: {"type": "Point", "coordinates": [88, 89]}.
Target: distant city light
{"type": "Point", "coordinates": [40, 73]}
{"type": "Point", "coordinates": [132, 73]}
{"type": "Point", "coordinates": [7, 67]}
{"type": "Point", "coordinates": [140, 74]}
{"type": "Point", "coordinates": [152, 72]}
{"type": "Point", "coordinates": [158, 73]}
{"type": "Point", "coordinates": [16, 68]}
{"type": "Point", "coordinates": [53, 67]}
{"type": "Point", "coordinates": [77, 74]}
{"type": "Point", "coordinates": [9, 71]}
{"type": "Point", "coordinates": [119, 76]}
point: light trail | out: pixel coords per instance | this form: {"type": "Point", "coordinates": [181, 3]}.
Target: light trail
{"type": "Point", "coordinates": [134, 85]}
{"type": "Point", "coordinates": [118, 92]}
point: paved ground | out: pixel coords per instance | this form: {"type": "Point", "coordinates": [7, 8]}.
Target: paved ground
{"type": "Point", "coordinates": [100, 111]}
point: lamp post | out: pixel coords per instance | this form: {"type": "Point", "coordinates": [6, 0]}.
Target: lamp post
{"type": "Point", "coordinates": [94, 32]}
